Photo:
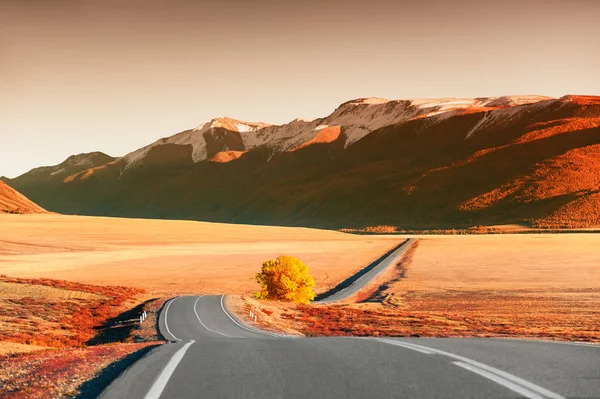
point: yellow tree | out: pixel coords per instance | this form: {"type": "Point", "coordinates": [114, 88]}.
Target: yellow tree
{"type": "Point", "coordinates": [285, 279]}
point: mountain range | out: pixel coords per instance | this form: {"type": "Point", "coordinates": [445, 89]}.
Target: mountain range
{"type": "Point", "coordinates": [418, 164]}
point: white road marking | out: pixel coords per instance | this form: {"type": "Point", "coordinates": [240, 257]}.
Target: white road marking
{"type": "Point", "coordinates": [549, 341]}
{"type": "Point", "coordinates": [544, 393]}
{"type": "Point", "coordinates": [166, 314]}
{"type": "Point", "coordinates": [204, 325]}
{"type": "Point", "coordinates": [162, 380]}
{"type": "Point", "coordinates": [398, 343]}
{"type": "Point", "coordinates": [500, 381]}
{"type": "Point", "coordinates": [249, 329]}
{"type": "Point", "coordinates": [586, 344]}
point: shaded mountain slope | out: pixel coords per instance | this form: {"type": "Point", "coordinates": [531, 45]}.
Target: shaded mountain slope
{"type": "Point", "coordinates": [70, 166]}
{"type": "Point", "coordinates": [483, 161]}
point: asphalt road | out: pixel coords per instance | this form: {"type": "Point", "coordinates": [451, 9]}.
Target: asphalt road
{"type": "Point", "coordinates": [358, 281]}
{"type": "Point", "coordinates": [212, 356]}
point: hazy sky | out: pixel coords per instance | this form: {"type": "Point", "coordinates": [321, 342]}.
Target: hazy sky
{"type": "Point", "coordinates": [114, 75]}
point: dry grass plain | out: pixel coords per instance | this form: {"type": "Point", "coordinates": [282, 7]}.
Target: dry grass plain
{"type": "Point", "coordinates": [529, 285]}
{"type": "Point", "coordinates": [73, 331]}
{"type": "Point", "coordinates": [173, 257]}
{"type": "Point", "coordinates": [548, 262]}
{"type": "Point", "coordinates": [163, 257]}
{"type": "Point", "coordinates": [542, 286]}
{"type": "Point", "coordinates": [538, 285]}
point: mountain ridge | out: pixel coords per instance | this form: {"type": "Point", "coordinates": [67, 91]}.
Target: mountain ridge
{"type": "Point", "coordinates": [317, 172]}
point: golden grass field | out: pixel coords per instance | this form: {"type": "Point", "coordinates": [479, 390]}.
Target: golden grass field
{"type": "Point", "coordinates": [19, 291]}
{"type": "Point", "coordinates": [543, 286]}
{"type": "Point", "coordinates": [505, 262]}
{"type": "Point", "coordinates": [173, 257]}
{"type": "Point", "coordinates": [9, 348]}
{"type": "Point", "coordinates": [501, 285]}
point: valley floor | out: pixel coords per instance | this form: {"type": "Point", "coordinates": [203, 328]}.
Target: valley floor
{"type": "Point", "coordinates": [174, 257]}
{"type": "Point", "coordinates": [511, 285]}
{"type": "Point", "coordinates": [537, 286]}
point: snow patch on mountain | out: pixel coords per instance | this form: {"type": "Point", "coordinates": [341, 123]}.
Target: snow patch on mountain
{"type": "Point", "coordinates": [357, 118]}
{"type": "Point", "coordinates": [503, 117]}
{"type": "Point", "coordinates": [195, 138]}
{"type": "Point", "coordinates": [283, 137]}
{"type": "Point", "coordinates": [362, 116]}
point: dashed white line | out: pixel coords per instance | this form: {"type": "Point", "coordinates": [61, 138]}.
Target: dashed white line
{"type": "Point", "coordinates": [204, 325]}
{"type": "Point", "coordinates": [161, 382]}
{"type": "Point", "coordinates": [541, 392]}
{"type": "Point", "coordinates": [166, 314]}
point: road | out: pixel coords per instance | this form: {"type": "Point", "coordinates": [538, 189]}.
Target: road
{"type": "Point", "coordinates": [213, 355]}
{"type": "Point", "coordinates": [358, 281]}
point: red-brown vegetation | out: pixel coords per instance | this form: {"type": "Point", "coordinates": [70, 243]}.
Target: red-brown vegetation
{"type": "Point", "coordinates": [41, 315]}
{"type": "Point", "coordinates": [563, 315]}
{"type": "Point", "coordinates": [58, 373]}
{"type": "Point", "coordinates": [60, 322]}
{"type": "Point", "coordinates": [383, 229]}
{"type": "Point", "coordinates": [467, 314]}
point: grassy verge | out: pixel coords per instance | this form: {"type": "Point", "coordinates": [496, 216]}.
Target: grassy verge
{"type": "Point", "coordinates": [65, 339]}
{"type": "Point", "coordinates": [428, 303]}
{"type": "Point", "coordinates": [60, 372]}
{"type": "Point", "coordinates": [513, 316]}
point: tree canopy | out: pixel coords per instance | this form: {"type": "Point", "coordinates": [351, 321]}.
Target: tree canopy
{"type": "Point", "coordinates": [285, 279]}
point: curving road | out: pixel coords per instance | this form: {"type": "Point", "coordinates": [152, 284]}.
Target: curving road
{"type": "Point", "coordinates": [212, 355]}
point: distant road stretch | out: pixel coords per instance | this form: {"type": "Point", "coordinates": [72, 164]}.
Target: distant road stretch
{"type": "Point", "coordinates": [357, 282]}
{"type": "Point", "coordinates": [213, 355]}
